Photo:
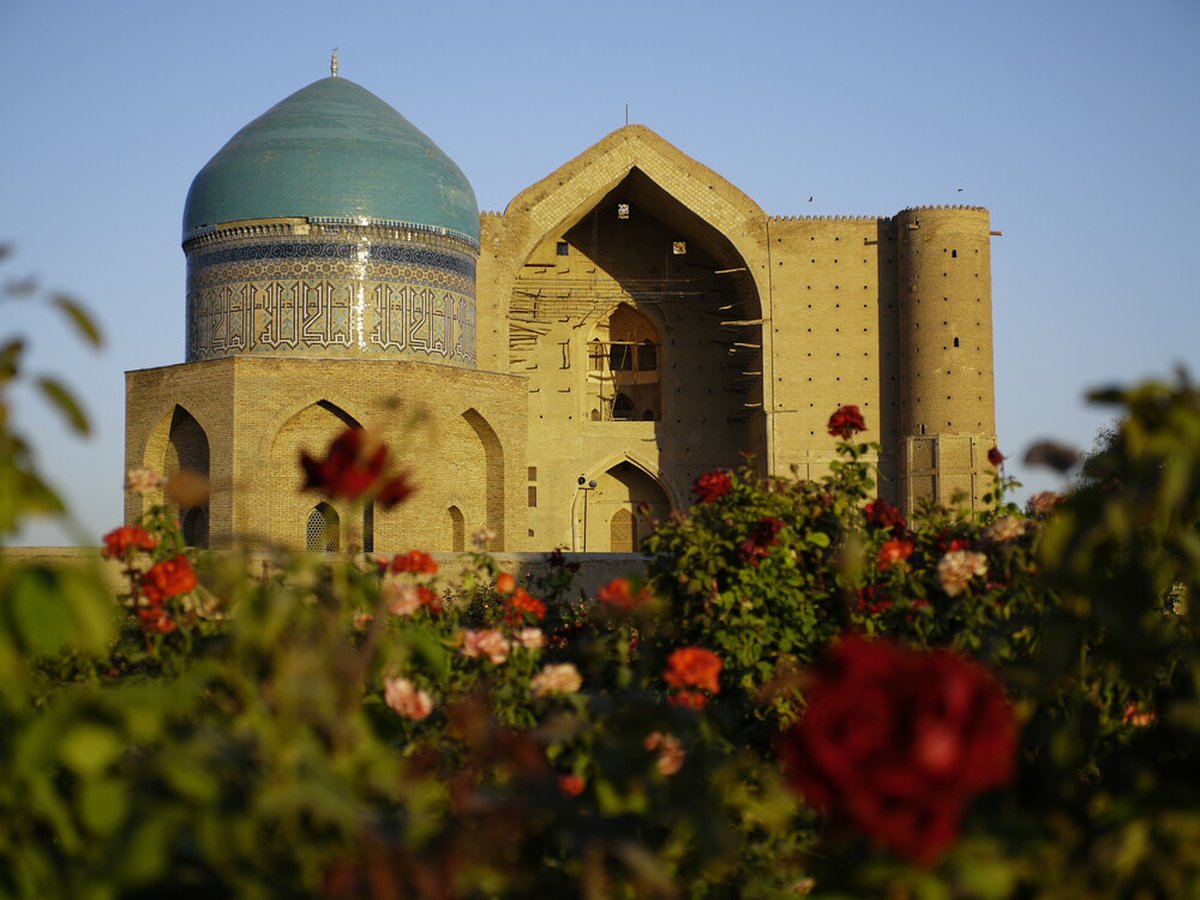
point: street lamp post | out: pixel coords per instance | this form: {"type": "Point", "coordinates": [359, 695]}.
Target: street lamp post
{"type": "Point", "coordinates": [587, 487]}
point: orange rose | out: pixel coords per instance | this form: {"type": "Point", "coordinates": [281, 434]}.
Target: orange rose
{"type": "Point", "coordinates": [120, 542]}
{"type": "Point", "coordinates": [619, 593]}
{"type": "Point", "coordinates": [521, 603]}
{"type": "Point", "coordinates": [894, 551]}
{"type": "Point", "coordinates": [416, 562]}
{"type": "Point", "coordinates": [168, 578]}
{"type": "Point", "coordinates": [693, 667]}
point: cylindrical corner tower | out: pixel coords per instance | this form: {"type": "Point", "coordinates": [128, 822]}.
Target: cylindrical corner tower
{"type": "Point", "coordinates": [331, 227]}
{"type": "Point", "coordinates": [947, 393]}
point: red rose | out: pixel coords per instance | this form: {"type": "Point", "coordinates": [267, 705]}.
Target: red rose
{"type": "Point", "coordinates": [350, 468]}
{"type": "Point", "coordinates": [520, 603]}
{"type": "Point", "coordinates": [995, 457]}
{"type": "Point", "coordinates": [168, 578]}
{"type": "Point", "coordinates": [894, 551]}
{"type": "Point", "coordinates": [693, 667]}
{"type": "Point", "coordinates": [619, 593]}
{"type": "Point", "coordinates": [947, 541]}
{"type": "Point", "coordinates": [120, 542]}
{"type": "Point", "coordinates": [571, 785]}
{"type": "Point", "coordinates": [896, 742]}
{"type": "Point", "coordinates": [430, 598]}
{"type": "Point", "coordinates": [156, 620]}
{"type": "Point", "coordinates": [416, 562]}
{"type": "Point", "coordinates": [712, 485]}
{"type": "Point", "coordinates": [395, 490]}
{"type": "Point", "coordinates": [884, 515]}
{"type": "Point", "coordinates": [763, 536]}
{"type": "Point", "coordinates": [846, 421]}
{"type": "Point", "coordinates": [693, 700]}
{"type": "Point", "coordinates": [874, 599]}
{"type": "Point", "coordinates": [354, 466]}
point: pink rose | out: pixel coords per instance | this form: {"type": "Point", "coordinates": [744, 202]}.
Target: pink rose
{"type": "Point", "coordinates": [556, 678]}
{"type": "Point", "coordinates": [406, 700]}
{"type": "Point", "coordinates": [489, 642]}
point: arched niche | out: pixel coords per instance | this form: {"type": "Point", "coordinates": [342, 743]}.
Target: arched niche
{"type": "Point", "coordinates": [187, 444]}
{"type": "Point", "coordinates": [310, 430]}
{"type": "Point", "coordinates": [623, 508]}
{"type": "Point", "coordinates": [194, 525]}
{"type": "Point", "coordinates": [180, 443]}
{"type": "Point", "coordinates": [624, 379]}
{"type": "Point", "coordinates": [493, 469]}
{"type": "Point", "coordinates": [455, 536]}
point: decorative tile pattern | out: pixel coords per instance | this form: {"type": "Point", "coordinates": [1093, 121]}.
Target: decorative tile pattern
{"type": "Point", "coordinates": [329, 296]}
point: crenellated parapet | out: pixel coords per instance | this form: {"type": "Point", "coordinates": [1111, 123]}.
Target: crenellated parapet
{"type": "Point", "coordinates": [941, 206]}
{"type": "Point", "coordinates": [866, 218]}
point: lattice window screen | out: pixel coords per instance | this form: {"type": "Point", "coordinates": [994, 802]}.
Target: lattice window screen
{"type": "Point", "coordinates": [321, 535]}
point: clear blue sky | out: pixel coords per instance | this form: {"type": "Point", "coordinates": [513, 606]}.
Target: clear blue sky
{"type": "Point", "coordinates": [1076, 123]}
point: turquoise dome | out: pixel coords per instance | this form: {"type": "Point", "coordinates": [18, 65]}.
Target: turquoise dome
{"type": "Point", "coordinates": [332, 150]}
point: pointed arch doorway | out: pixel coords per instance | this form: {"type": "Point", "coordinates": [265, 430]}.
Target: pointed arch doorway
{"type": "Point", "coordinates": [620, 511]}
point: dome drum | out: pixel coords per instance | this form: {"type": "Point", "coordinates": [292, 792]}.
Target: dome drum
{"type": "Point", "coordinates": [330, 289]}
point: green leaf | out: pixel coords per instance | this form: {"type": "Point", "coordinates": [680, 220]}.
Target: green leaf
{"type": "Point", "coordinates": [91, 610]}
{"type": "Point", "coordinates": [145, 854]}
{"type": "Point", "coordinates": [103, 805]}
{"type": "Point", "coordinates": [54, 391]}
{"type": "Point", "coordinates": [89, 748]}
{"type": "Point", "coordinates": [429, 648]}
{"type": "Point", "coordinates": [191, 781]}
{"type": "Point", "coordinates": [80, 318]}
{"type": "Point", "coordinates": [817, 538]}
{"type": "Point", "coordinates": [39, 611]}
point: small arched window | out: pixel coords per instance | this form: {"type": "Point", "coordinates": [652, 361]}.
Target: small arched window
{"type": "Point", "coordinates": [458, 530]}
{"type": "Point", "coordinates": [622, 407]}
{"type": "Point", "coordinates": [322, 533]}
{"type": "Point", "coordinates": [620, 357]}
{"type": "Point", "coordinates": [369, 527]}
{"type": "Point", "coordinates": [195, 527]}
{"type": "Point", "coordinates": [647, 357]}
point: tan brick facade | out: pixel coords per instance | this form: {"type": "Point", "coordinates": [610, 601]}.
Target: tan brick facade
{"type": "Point", "coordinates": [639, 321]}
{"type": "Point", "coordinates": [461, 435]}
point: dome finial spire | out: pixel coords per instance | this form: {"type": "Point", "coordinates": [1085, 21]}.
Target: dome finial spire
{"type": "Point", "coordinates": [333, 63]}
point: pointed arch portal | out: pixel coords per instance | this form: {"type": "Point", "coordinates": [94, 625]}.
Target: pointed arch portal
{"type": "Point", "coordinates": [621, 510]}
